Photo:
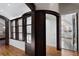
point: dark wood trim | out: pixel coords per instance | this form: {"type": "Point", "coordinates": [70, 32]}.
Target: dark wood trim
{"type": "Point", "coordinates": [75, 19]}
{"type": "Point", "coordinates": [6, 29]}
{"type": "Point", "coordinates": [31, 6]}
{"type": "Point", "coordinates": [16, 30]}
{"type": "Point", "coordinates": [58, 32]}
{"type": "Point", "coordinates": [11, 29]}
{"type": "Point", "coordinates": [77, 28]}
{"type": "Point", "coordinates": [40, 33]}
{"type": "Point", "coordinates": [49, 12]}
{"type": "Point", "coordinates": [2, 38]}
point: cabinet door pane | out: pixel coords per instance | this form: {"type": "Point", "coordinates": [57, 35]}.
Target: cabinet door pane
{"type": "Point", "coordinates": [20, 36]}
{"type": "Point", "coordinates": [13, 23]}
{"type": "Point", "coordinates": [20, 29]}
{"type": "Point", "coordinates": [29, 20]}
{"type": "Point", "coordinates": [28, 29]}
{"type": "Point", "coordinates": [28, 38]}
{"type": "Point", "coordinates": [13, 29]}
{"type": "Point", "coordinates": [20, 21]}
{"type": "Point", "coordinates": [13, 35]}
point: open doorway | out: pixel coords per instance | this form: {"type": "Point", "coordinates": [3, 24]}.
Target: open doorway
{"type": "Point", "coordinates": [69, 38]}
{"type": "Point", "coordinates": [51, 34]}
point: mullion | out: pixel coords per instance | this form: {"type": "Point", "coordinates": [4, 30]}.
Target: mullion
{"type": "Point", "coordinates": [23, 27]}
{"type": "Point", "coordinates": [11, 30]}
{"type": "Point", "coordinates": [28, 24]}
{"type": "Point", "coordinates": [16, 29]}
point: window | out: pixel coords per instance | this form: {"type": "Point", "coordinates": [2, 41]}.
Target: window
{"type": "Point", "coordinates": [21, 28]}
{"type": "Point", "coordinates": [17, 29]}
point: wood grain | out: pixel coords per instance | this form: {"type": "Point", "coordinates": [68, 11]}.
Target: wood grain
{"type": "Point", "coordinates": [51, 51]}
{"type": "Point", "coordinates": [8, 50]}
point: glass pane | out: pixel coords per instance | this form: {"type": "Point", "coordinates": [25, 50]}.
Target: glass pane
{"type": "Point", "coordinates": [13, 23]}
{"type": "Point", "coordinates": [20, 21]}
{"type": "Point", "coordinates": [29, 20]}
{"type": "Point", "coordinates": [20, 36]}
{"type": "Point", "coordinates": [20, 29]}
{"type": "Point", "coordinates": [28, 38]}
{"type": "Point", "coordinates": [13, 29]}
{"type": "Point", "coordinates": [13, 35]}
{"type": "Point", "coordinates": [28, 29]}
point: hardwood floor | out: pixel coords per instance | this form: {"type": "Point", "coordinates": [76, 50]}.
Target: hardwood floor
{"type": "Point", "coordinates": [8, 50]}
{"type": "Point", "coordinates": [69, 53]}
{"type": "Point", "coordinates": [50, 51]}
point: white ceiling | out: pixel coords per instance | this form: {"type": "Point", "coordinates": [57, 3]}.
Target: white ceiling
{"type": "Point", "coordinates": [13, 10]}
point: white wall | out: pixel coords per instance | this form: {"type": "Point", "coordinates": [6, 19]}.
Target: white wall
{"type": "Point", "coordinates": [47, 6]}
{"type": "Point", "coordinates": [51, 30]}
{"type": "Point", "coordinates": [17, 44]}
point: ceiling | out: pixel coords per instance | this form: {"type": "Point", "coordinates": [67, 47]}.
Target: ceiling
{"type": "Point", "coordinates": [13, 10]}
{"type": "Point", "coordinates": [68, 8]}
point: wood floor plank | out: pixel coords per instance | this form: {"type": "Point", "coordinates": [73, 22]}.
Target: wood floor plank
{"type": "Point", "coordinates": [8, 50]}
{"type": "Point", "coordinates": [51, 51]}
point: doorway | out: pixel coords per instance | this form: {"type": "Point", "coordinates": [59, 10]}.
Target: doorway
{"type": "Point", "coordinates": [69, 32]}
{"type": "Point", "coordinates": [52, 34]}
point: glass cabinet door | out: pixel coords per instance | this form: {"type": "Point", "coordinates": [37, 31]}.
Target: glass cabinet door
{"type": "Point", "coordinates": [28, 28]}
